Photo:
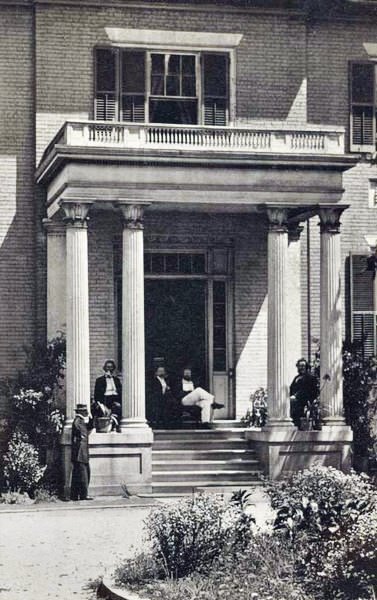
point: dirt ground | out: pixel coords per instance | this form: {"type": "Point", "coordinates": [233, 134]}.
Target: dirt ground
{"type": "Point", "coordinates": [55, 553]}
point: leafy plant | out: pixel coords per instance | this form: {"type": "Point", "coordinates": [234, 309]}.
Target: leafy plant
{"type": "Point", "coordinates": [190, 534]}
{"type": "Point", "coordinates": [22, 469]}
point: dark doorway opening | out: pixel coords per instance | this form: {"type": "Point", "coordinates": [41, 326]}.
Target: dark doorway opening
{"type": "Point", "coordinates": [175, 325]}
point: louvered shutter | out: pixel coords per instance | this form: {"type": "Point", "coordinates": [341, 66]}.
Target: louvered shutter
{"type": "Point", "coordinates": [362, 305]}
{"type": "Point", "coordinates": [363, 117]}
{"type": "Point", "coordinates": [215, 89]}
{"type": "Point", "coordinates": [133, 86]}
{"type": "Point", "coordinates": [105, 101]}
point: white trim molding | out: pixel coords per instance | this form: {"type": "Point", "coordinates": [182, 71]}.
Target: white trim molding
{"type": "Point", "coordinates": [161, 38]}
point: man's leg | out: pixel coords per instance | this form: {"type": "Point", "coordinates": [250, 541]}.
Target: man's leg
{"type": "Point", "coordinates": [84, 480]}
{"type": "Point", "coordinates": [75, 481]}
{"type": "Point", "coordinates": [200, 397]}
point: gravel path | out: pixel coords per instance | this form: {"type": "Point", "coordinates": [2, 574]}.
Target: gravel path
{"type": "Point", "coordinates": [54, 553]}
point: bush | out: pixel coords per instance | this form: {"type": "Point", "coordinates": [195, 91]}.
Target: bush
{"type": "Point", "coordinates": [320, 511]}
{"type": "Point", "coordinates": [22, 469]}
{"type": "Point", "coordinates": [188, 535]}
{"type": "Point", "coordinates": [263, 571]}
{"type": "Point", "coordinates": [15, 498]}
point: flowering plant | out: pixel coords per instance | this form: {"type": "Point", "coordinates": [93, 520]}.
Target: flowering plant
{"type": "Point", "coordinates": [256, 415]}
{"type": "Point", "coordinates": [22, 469]}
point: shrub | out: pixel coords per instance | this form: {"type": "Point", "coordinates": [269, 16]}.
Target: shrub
{"type": "Point", "coordinates": [15, 498]}
{"type": "Point", "coordinates": [321, 510]}
{"type": "Point", "coordinates": [188, 535]}
{"type": "Point", "coordinates": [22, 469]}
{"type": "Point", "coordinates": [263, 571]}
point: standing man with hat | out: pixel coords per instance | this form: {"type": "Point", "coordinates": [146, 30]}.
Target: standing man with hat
{"type": "Point", "coordinates": [81, 427]}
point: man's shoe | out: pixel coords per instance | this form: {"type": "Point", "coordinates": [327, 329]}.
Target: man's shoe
{"type": "Point", "coordinates": [216, 405]}
{"type": "Point", "coordinates": [88, 498]}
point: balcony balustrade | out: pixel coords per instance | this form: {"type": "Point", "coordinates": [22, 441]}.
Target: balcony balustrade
{"type": "Point", "coordinates": [263, 139]}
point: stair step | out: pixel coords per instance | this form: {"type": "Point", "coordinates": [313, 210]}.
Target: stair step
{"type": "Point", "coordinates": [201, 444]}
{"type": "Point", "coordinates": [175, 488]}
{"type": "Point", "coordinates": [199, 434]}
{"type": "Point", "coordinates": [206, 476]}
{"type": "Point", "coordinates": [202, 465]}
{"type": "Point", "coordinates": [199, 454]}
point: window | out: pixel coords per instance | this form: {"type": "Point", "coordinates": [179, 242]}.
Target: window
{"type": "Point", "coordinates": [176, 88]}
{"type": "Point", "coordinates": [363, 315]}
{"type": "Point", "coordinates": [172, 263]}
{"type": "Point", "coordinates": [363, 112]}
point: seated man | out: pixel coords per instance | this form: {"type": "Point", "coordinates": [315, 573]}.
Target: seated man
{"type": "Point", "coordinates": [303, 390]}
{"type": "Point", "coordinates": [191, 395]}
{"type": "Point", "coordinates": [108, 395]}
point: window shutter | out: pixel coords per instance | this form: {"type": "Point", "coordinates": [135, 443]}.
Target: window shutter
{"type": "Point", "coordinates": [133, 86]}
{"type": "Point", "coordinates": [363, 116]}
{"type": "Point", "coordinates": [215, 89]}
{"type": "Point", "coordinates": [362, 305]}
{"type": "Point", "coordinates": [105, 102]}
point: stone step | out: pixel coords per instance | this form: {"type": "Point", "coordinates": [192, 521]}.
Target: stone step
{"type": "Point", "coordinates": [204, 465]}
{"type": "Point", "coordinates": [222, 454]}
{"type": "Point", "coordinates": [204, 476]}
{"type": "Point", "coordinates": [199, 444]}
{"type": "Point", "coordinates": [179, 488]}
{"type": "Point", "coordinates": [226, 424]}
{"type": "Point", "coordinates": [199, 434]}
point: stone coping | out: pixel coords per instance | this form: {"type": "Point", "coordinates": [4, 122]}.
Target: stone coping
{"type": "Point", "coordinates": [109, 591]}
{"type": "Point", "coordinates": [98, 503]}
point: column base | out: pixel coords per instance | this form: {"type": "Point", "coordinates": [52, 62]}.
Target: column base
{"type": "Point", "coordinates": [283, 450]}
{"type": "Point", "coordinates": [116, 460]}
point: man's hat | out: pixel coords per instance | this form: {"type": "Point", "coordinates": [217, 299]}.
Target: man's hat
{"type": "Point", "coordinates": [82, 408]}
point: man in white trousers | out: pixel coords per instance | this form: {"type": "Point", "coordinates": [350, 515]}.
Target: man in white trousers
{"type": "Point", "coordinates": [192, 395]}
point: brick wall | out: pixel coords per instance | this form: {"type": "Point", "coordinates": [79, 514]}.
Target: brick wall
{"type": "Point", "coordinates": [17, 216]}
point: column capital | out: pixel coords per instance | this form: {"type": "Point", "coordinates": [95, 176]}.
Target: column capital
{"type": "Point", "coordinates": [277, 219]}
{"type": "Point", "coordinates": [132, 214]}
{"type": "Point", "coordinates": [53, 228]}
{"type": "Point", "coordinates": [76, 212]}
{"type": "Point", "coordinates": [294, 232]}
{"type": "Point", "coordinates": [330, 218]}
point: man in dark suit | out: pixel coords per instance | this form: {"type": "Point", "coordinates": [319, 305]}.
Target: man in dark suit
{"type": "Point", "coordinates": [162, 407]}
{"type": "Point", "coordinates": [108, 393]}
{"type": "Point", "coordinates": [303, 390]}
{"type": "Point", "coordinates": [81, 427]}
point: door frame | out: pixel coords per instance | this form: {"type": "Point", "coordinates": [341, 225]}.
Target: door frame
{"type": "Point", "coordinates": [209, 277]}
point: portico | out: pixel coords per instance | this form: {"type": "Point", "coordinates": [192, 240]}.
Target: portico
{"type": "Point", "coordinates": [228, 177]}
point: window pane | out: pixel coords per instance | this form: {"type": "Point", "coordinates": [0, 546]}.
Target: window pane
{"type": "Point", "coordinates": [105, 70]}
{"type": "Point", "coordinates": [157, 85]}
{"type": "Point", "coordinates": [363, 83]}
{"type": "Point", "coordinates": [158, 64]}
{"type": "Point", "coordinates": [219, 337]}
{"type": "Point", "coordinates": [198, 263]}
{"type": "Point", "coordinates": [171, 263]}
{"type": "Point", "coordinates": [215, 66]}
{"type": "Point", "coordinates": [147, 263]}
{"type": "Point", "coordinates": [174, 64]}
{"type": "Point", "coordinates": [133, 72]}
{"type": "Point", "coordinates": [219, 292]}
{"type": "Point", "coordinates": [219, 360]}
{"type": "Point", "coordinates": [188, 65]}
{"type": "Point", "coordinates": [188, 86]}
{"type": "Point", "coordinates": [173, 111]}
{"type": "Point", "coordinates": [185, 263]}
{"type": "Point", "coordinates": [172, 85]}
{"type": "Point", "coordinates": [157, 263]}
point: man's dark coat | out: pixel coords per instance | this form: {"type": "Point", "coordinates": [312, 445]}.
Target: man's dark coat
{"type": "Point", "coordinates": [100, 388]}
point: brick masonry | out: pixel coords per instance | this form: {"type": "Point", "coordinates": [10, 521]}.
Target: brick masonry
{"type": "Point", "coordinates": [286, 71]}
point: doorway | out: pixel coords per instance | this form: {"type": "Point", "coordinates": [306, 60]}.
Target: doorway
{"type": "Point", "coordinates": [175, 325]}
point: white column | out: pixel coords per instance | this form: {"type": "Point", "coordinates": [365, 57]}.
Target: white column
{"type": "Point", "coordinates": [277, 372]}
{"type": "Point", "coordinates": [78, 368]}
{"type": "Point", "coordinates": [331, 317]}
{"type": "Point", "coordinates": [56, 277]}
{"type": "Point", "coordinates": [133, 345]}
{"type": "Point", "coordinates": [294, 325]}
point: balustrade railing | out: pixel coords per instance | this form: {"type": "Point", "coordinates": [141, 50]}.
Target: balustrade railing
{"type": "Point", "coordinates": [248, 139]}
